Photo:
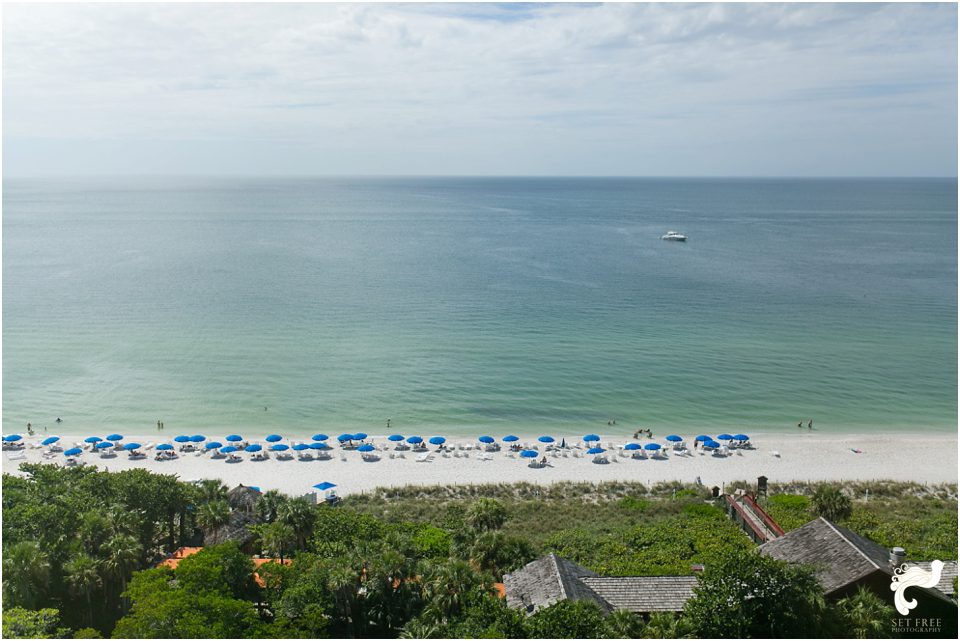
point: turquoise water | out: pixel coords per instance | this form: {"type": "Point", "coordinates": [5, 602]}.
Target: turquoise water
{"type": "Point", "coordinates": [479, 305]}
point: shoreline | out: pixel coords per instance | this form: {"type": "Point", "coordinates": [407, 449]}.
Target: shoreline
{"type": "Point", "coordinates": [918, 457]}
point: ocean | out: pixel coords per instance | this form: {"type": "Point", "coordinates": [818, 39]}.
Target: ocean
{"type": "Point", "coordinates": [479, 305]}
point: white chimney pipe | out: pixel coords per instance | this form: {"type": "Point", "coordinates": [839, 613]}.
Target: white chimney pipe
{"type": "Point", "coordinates": [897, 557]}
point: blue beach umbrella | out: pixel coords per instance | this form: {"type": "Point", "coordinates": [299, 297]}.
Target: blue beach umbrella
{"type": "Point", "coordinates": [343, 438]}
{"type": "Point", "coordinates": [279, 447]}
{"type": "Point", "coordinates": [198, 438]}
{"type": "Point", "coordinates": [50, 440]}
{"type": "Point", "coordinates": [299, 447]}
{"type": "Point", "coordinates": [591, 437]}
{"type": "Point", "coordinates": [179, 439]}
{"type": "Point", "coordinates": [529, 454]}
{"type": "Point", "coordinates": [366, 448]}
{"type": "Point", "coordinates": [437, 440]}
{"type": "Point", "coordinates": [164, 447]}
{"type": "Point", "coordinates": [73, 451]}
{"type": "Point", "coordinates": [486, 439]}
{"type": "Point", "coordinates": [652, 446]}
{"type": "Point", "coordinates": [103, 445]}
{"type": "Point", "coordinates": [91, 439]}
{"type": "Point", "coordinates": [115, 437]}
{"type": "Point", "coordinates": [273, 438]}
{"type": "Point", "coordinates": [596, 450]}
{"type": "Point", "coordinates": [673, 438]}
{"type": "Point", "coordinates": [226, 450]}
{"type": "Point", "coordinates": [359, 436]}
{"type": "Point", "coordinates": [320, 437]}
{"type": "Point", "coordinates": [213, 445]}
{"type": "Point", "coordinates": [13, 438]}
{"type": "Point", "coordinates": [131, 446]}
{"type": "Point", "coordinates": [234, 438]}
{"type": "Point", "coordinates": [256, 447]}
{"type": "Point", "coordinates": [724, 437]}
{"type": "Point", "coordinates": [711, 443]}
{"type": "Point", "coordinates": [318, 446]}
{"type": "Point", "coordinates": [414, 439]}
{"type": "Point", "coordinates": [703, 438]}
{"type": "Point", "coordinates": [510, 439]}
{"type": "Point", "coordinates": [546, 439]}
{"type": "Point", "coordinates": [741, 437]}
{"type": "Point", "coordinates": [396, 438]}
{"type": "Point", "coordinates": [326, 485]}
{"type": "Point", "coordinates": [632, 446]}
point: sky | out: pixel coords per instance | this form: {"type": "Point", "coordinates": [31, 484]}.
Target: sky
{"type": "Point", "coordinates": [480, 89]}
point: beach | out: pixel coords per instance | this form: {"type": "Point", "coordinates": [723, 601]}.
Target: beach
{"type": "Point", "coordinates": [928, 458]}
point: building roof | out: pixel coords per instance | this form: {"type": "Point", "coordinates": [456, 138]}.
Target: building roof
{"type": "Point", "coordinates": [549, 579]}
{"type": "Point", "coordinates": [243, 497]}
{"type": "Point", "coordinates": [838, 556]}
{"type": "Point", "coordinates": [947, 577]}
{"type": "Point", "coordinates": [178, 555]}
{"type": "Point", "coordinates": [181, 553]}
{"type": "Point", "coordinates": [643, 593]}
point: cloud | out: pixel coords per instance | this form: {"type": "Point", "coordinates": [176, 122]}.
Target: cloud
{"type": "Point", "coordinates": [486, 88]}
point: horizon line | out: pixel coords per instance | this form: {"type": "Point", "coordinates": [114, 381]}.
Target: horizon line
{"type": "Point", "coordinates": [481, 175]}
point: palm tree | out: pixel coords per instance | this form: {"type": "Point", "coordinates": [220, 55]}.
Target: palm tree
{"type": "Point", "coordinates": [212, 490]}
{"type": "Point", "coordinates": [446, 588]}
{"type": "Point", "coordinates": [666, 625]}
{"type": "Point", "coordinates": [299, 515]}
{"type": "Point", "coordinates": [122, 553]}
{"type": "Point", "coordinates": [26, 575]}
{"type": "Point", "coordinates": [623, 624]}
{"type": "Point", "coordinates": [485, 515]}
{"type": "Point", "coordinates": [82, 574]}
{"type": "Point", "coordinates": [268, 506]}
{"type": "Point", "coordinates": [831, 503]}
{"type": "Point", "coordinates": [275, 538]}
{"type": "Point", "coordinates": [866, 615]}
{"type": "Point", "coordinates": [344, 583]}
{"type": "Point", "coordinates": [212, 516]}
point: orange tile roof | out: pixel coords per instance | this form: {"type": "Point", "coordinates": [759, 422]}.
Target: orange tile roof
{"type": "Point", "coordinates": [174, 559]}
{"type": "Point", "coordinates": [501, 591]}
{"type": "Point", "coordinates": [181, 553]}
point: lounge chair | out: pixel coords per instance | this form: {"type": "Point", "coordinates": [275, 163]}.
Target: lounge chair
{"type": "Point", "coordinates": [426, 457]}
{"type": "Point", "coordinates": [305, 456]}
{"type": "Point", "coordinates": [70, 462]}
{"type": "Point", "coordinates": [16, 456]}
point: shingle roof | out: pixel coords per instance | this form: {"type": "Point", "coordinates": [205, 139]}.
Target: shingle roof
{"type": "Point", "coordinates": [643, 594]}
{"type": "Point", "coordinates": [838, 556]}
{"type": "Point", "coordinates": [547, 580]}
{"type": "Point", "coordinates": [946, 577]}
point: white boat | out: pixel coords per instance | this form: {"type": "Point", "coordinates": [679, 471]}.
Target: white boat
{"type": "Point", "coordinates": [673, 235]}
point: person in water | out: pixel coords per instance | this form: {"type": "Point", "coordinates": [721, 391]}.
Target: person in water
{"type": "Point", "coordinates": [58, 420]}
{"type": "Point", "coordinates": [810, 424]}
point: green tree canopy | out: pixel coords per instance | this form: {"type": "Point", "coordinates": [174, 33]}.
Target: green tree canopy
{"type": "Point", "coordinates": [19, 623]}
{"type": "Point", "coordinates": [745, 594]}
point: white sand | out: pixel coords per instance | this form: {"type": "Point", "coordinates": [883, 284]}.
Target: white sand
{"type": "Point", "coordinates": [922, 458]}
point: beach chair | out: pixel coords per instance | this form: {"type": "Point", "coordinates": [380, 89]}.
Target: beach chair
{"type": "Point", "coordinates": [70, 462]}
{"type": "Point", "coordinates": [424, 458]}
{"type": "Point", "coordinates": [16, 456]}
{"type": "Point", "coordinates": [401, 455]}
